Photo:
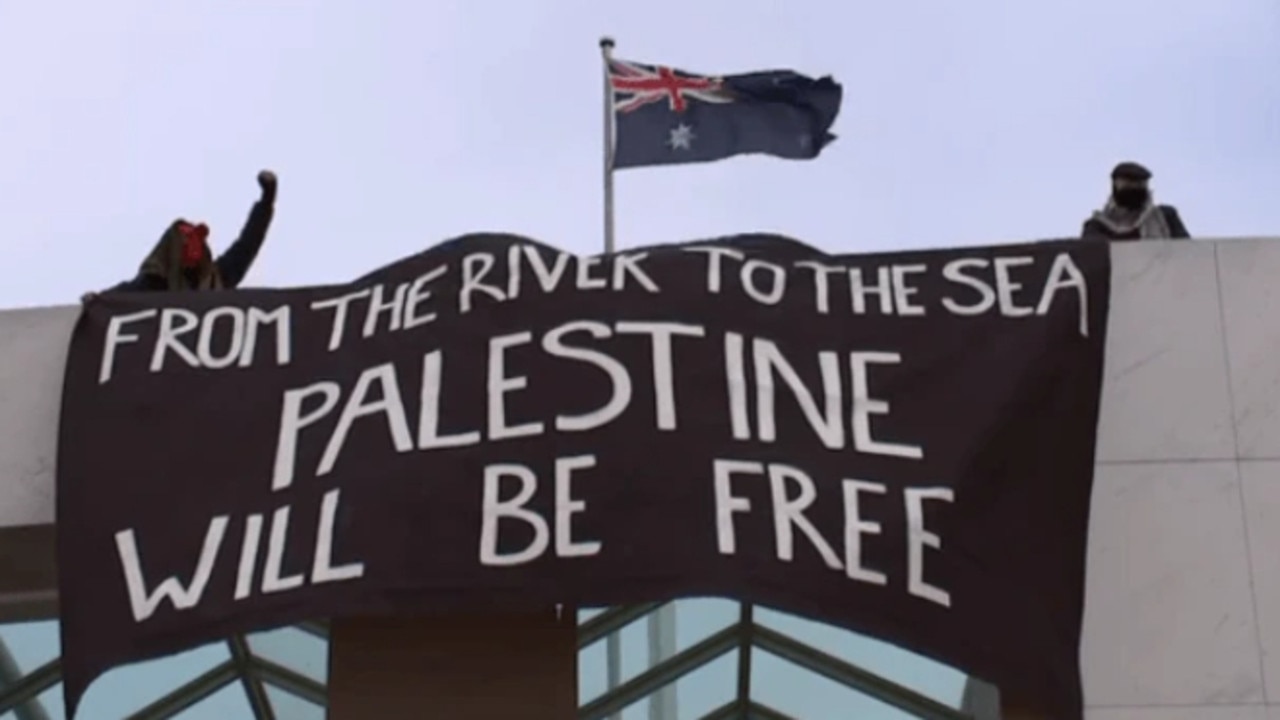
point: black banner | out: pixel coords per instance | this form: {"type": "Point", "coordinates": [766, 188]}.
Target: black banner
{"type": "Point", "coordinates": [901, 444]}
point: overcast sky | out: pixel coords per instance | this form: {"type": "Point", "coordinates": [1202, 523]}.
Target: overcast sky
{"type": "Point", "coordinates": [393, 125]}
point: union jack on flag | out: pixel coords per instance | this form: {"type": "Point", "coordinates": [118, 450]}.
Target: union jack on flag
{"type": "Point", "coordinates": [635, 85]}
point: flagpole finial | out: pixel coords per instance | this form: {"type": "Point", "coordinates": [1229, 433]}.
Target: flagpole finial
{"type": "Point", "coordinates": [606, 43]}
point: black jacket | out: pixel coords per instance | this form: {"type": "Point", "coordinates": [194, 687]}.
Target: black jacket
{"type": "Point", "coordinates": [228, 271]}
{"type": "Point", "coordinates": [1096, 230]}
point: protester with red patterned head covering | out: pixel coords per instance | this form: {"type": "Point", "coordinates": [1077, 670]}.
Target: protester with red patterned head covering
{"type": "Point", "coordinates": [182, 260]}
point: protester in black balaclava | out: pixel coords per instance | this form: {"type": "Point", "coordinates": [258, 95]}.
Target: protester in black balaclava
{"type": "Point", "coordinates": [1130, 213]}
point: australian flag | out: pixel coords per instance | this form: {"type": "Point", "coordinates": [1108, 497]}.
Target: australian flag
{"type": "Point", "coordinates": [665, 116]}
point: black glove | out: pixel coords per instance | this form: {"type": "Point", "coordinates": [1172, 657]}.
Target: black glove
{"type": "Point", "coordinates": [267, 181]}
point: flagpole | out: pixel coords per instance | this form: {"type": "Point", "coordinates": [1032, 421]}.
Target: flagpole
{"type": "Point", "coordinates": [606, 53]}
{"type": "Point", "coordinates": [661, 622]}
{"type": "Point", "coordinates": [613, 641]}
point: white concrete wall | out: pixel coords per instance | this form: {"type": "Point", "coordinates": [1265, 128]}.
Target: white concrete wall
{"type": "Point", "coordinates": [1183, 612]}
{"type": "Point", "coordinates": [1182, 620]}
{"type": "Point", "coordinates": [33, 353]}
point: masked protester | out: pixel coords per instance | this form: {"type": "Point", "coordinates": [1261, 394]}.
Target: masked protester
{"type": "Point", "coordinates": [1130, 213]}
{"type": "Point", "coordinates": [182, 259]}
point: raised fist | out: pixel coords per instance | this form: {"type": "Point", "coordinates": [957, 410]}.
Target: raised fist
{"type": "Point", "coordinates": [267, 181]}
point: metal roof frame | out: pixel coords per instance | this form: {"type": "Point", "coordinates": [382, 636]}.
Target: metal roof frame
{"type": "Point", "coordinates": [255, 673]}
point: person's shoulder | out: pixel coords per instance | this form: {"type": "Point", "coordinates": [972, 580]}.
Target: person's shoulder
{"type": "Point", "coordinates": [1170, 213]}
{"type": "Point", "coordinates": [1094, 229]}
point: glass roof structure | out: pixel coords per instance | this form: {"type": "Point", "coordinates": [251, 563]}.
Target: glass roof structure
{"type": "Point", "coordinates": [701, 659]}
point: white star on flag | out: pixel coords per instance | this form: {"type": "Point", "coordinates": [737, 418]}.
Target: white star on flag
{"type": "Point", "coordinates": [681, 137]}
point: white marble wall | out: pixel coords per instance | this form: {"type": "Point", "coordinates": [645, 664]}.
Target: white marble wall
{"type": "Point", "coordinates": [1183, 613]}
{"type": "Point", "coordinates": [33, 354]}
{"type": "Point", "coordinates": [1182, 620]}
